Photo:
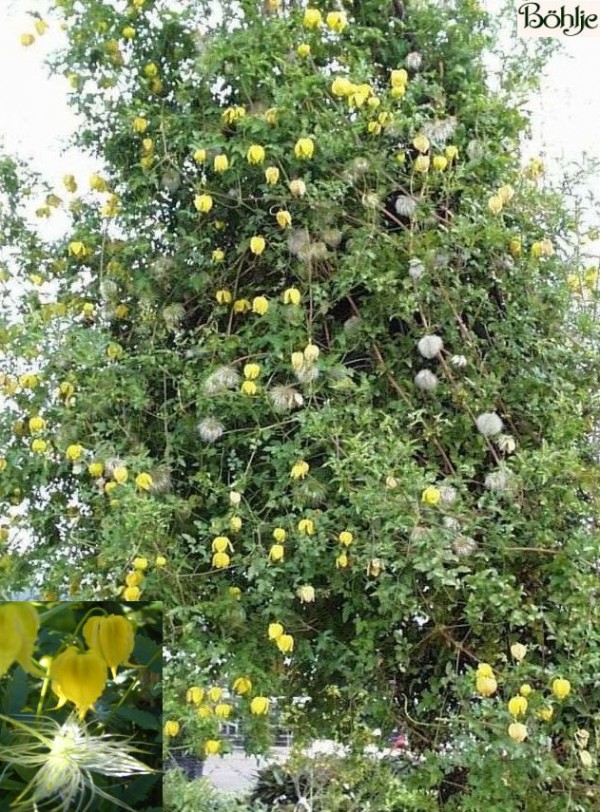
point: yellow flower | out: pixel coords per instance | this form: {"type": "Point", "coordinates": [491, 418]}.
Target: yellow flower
{"type": "Point", "coordinates": [151, 70]}
{"type": "Point", "coordinates": [285, 643]}
{"type": "Point", "coordinates": [341, 562]}
{"type": "Point", "coordinates": [311, 353]}
{"type": "Point", "coordinates": [255, 154]}
{"type": "Point", "coordinates": [121, 311]}
{"type": "Point", "coordinates": [275, 631]}
{"type": "Point", "coordinates": [132, 593]}
{"type": "Point", "coordinates": [69, 183]}
{"type": "Point", "coordinates": [77, 249]}
{"type": "Point", "coordinates": [19, 624]}
{"type": "Point", "coordinates": [346, 538]}
{"type": "Point", "coordinates": [341, 86]}
{"type": "Point", "coordinates": [517, 731]}
{"type": "Point", "coordinates": [485, 670]}
{"type": "Point", "coordinates": [135, 578]}
{"type": "Point", "coordinates": [399, 78]}
{"type": "Point", "coordinates": [41, 26]}
{"type": "Point", "coordinates": [306, 593]}
{"type": "Point", "coordinates": [506, 193]}
{"type": "Point", "coordinates": [223, 710]}
{"type": "Point", "coordinates": [27, 39]}
{"type": "Point", "coordinates": [79, 678]}
{"type": "Point", "coordinates": [241, 306]}
{"type": "Point", "coordinates": [200, 156]}
{"type": "Point", "coordinates": [297, 187]}
{"type": "Point", "coordinates": [374, 127]}
{"type": "Point", "coordinates": [140, 563]}
{"type": "Point", "coordinates": [195, 695]}
{"type": "Point", "coordinates": [242, 685]}
{"type": "Point", "coordinates": [203, 203]}
{"type": "Point", "coordinates": [218, 255]}
{"type": "Point", "coordinates": [303, 50]}
{"type": "Point", "coordinates": [517, 706]}
{"type": "Point", "coordinates": [272, 175]}
{"type": "Point", "coordinates": [336, 21]}
{"type": "Point", "coordinates": [271, 115]}
{"type": "Point", "coordinates": [431, 496]}
{"type": "Point", "coordinates": [299, 469]}
{"type": "Point", "coordinates": [515, 246]}
{"type": "Point", "coordinates": [112, 637]}
{"type": "Point", "coordinates": [120, 474]}
{"type": "Point", "coordinates": [249, 388]}
{"type": "Point", "coordinates": [28, 380]}
{"type": "Point", "coordinates": [259, 706]}
{"type": "Point", "coordinates": [215, 693]}
{"type": "Point", "coordinates": [251, 371]}
{"type": "Point", "coordinates": [276, 553]}
{"type": "Point", "coordinates": [495, 204]}
{"type": "Point", "coordinates": [3, 466]}
{"type": "Point", "coordinates": [223, 297]}
{"type": "Point", "coordinates": [235, 523]}
{"type": "Point", "coordinates": [160, 561]}
{"type": "Point", "coordinates": [36, 424]}
{"type": "Point", "coordinates": [546, 713]}
{"type": "Point", "coordinates": [144, 481]}
{"type": "Point", "coordinates": [451, 152]}
{"type": "Point", "coordinates": [212, 747]}
{"type": "Point", "coordinates": [284, 219]}
{"type": "Point", "coordinates": [257, 245]}
{"type": "Point", "coordinates": [304, 148]}
{"type": "Point", "coordinates": [306, 527]}
{"type": "Point", "coordinates": [486, 686]}
{"type": "Point", "coordinates": [74, 452]}
{"type": "Point", "coordinates": [128, 32]}
{"type": "Point", "coordinates": [525, 689]}
{"type": "Point", "coordinates": [440, 162]}
{"type": "Point", "coordinates": [312, 18]}
{"type": "Point", "coordinates": [233, 114]}
{"type": "Point", "coordinates": [220, 560]}
{"type": "Point", "coordinates": [421, 143]}
{"type": "Point", "coordinates": [260, 305]}
{"type": "Point", "coordinates": [421, 163]}
{"type": "Point", "coordinates": [280, 535]}
{"type": "Point", "coordinates": [204, 712]}
{"type": "Point", "coordinates": [221, 544]}
{"type": "Point", "coordinates": [535, 168]}
{"type": "Point", "coordinates": [398, 92]}
{"type": "Point", "coordinates": [292, 296]}
{"type": "Point", "coordinates": [140, 124]}
{"type": "Point", "coordinates": [221, 163]}
{"type": "Point", "coordinates": [561, 688]}
{"type": "Point", "coordinates": [171, 729]}
{"type": "Point", "coordinates": [109, 487]}
{"type": "Point", "coordinates": [518, 651]}
{"type": "Point", "coordinates": [98, 183]}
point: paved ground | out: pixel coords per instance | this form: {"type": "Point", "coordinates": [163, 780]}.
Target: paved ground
{"type": "Point", "coordinates": [236, 771]}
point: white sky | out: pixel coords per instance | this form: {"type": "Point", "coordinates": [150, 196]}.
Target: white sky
{"type": "Point", "coordinates": [35, 118]}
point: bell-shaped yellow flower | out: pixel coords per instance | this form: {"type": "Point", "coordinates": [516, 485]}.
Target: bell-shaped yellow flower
{"type": "Point", "coordinates": [259, 706]}
{"type": "Point", "coordinates": [112, 637]}
{"type": "Point", "coordinates": [561, 688]}
{"type": "Point", "coordinates": [79, 678]}
{"type": "Point", "coordinates": [19, 624]}
{"type": "Point", "coordinates": [285, 643]}
{"type": "Point", "coordinates": [242, 685]}
{"type": "Point", "coordinates": [171, 728]}
{"type": "Point", "coordinates": [304, 148]}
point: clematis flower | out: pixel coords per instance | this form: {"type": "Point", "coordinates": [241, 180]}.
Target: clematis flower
{"type": "Point", "coordinates": [171, 728]}
{"type": "Point", "coordinates": [242, 685]}
{"type": "Point", "coordinates": [255, 154]}
{"type": "Point", "coordinates": [517, 706]}
{"type": "Point", "coordinates": [284, 219]}
{"type": "Point", "coordinates": [221, 163]}
{"type": "Point", "coordinates": [561, 688]}
{"type": "Point", "coordinates": [144, 481]}
{"type": "Point", "coordinates": [260, 305]}
{"type": "Point", "coordinates": [63, 759]}
{"type": "Point", "coordinates": [285, 643]}
{"type": "Point", "coordinates": [78, 677]}
{"type": "Point", "coordinates": [306, 527]}
{"type": "Point", "coordinates": [275, 631]}
{"type": "Point", "coordinates": [431, 496]}
{"type": "Point", "coordinates": [112, 636]}
{"type": "Point", "coordinates": [297, 187]}
{"type": "Point", "coordinates": [212, 747]}
{"type": "Point", "coordinates": [292, 296]}
{"type": "Point", "coordinates": [19, 624]}
{"type": "Point", "coordinates": [257, 245]}
{"type": "Point", "coordinates": [304, 148]}
{"type": "Point", "coordinates": [276, 553]}
{"type": "Point", "coordinates": [303, 50]}
{"type": "Point", "coordinates": [299, 469]}
{"type": "Point", "coordinates": [312, 18]}
{"type": "Point", "coordinates": [203, 203]}
{"type": "Point", "coordinates": [336, 21]}
{"type": "Point", "coordinates": [259, 706]}
{"type": "Point", "coordinates": [517, 731]}
{"type": "Point", "coordinates": [346, 538]}
{"type": "Point", "coordinates": [272, 175]}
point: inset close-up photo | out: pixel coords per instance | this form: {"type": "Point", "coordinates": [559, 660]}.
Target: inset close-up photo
{"type": "Point", "coordinates": [80, 706]}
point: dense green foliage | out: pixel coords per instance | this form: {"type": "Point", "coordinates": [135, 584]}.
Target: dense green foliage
{"type": "Point", "coordinates": [333, 387]}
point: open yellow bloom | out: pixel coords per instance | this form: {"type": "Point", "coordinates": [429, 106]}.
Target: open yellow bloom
{"type": "Point", "coordinates": [485, 670]}
{"type": "Point", "coordinates": [223, 297]}
{"type": "Point", "coordinates": [242, 685]}
{"type": "Point", "coordinates": [285, 643]}
{"type": "Point", "coordinates": [27, 39]}
{"type": "Point", "coordinates": [134, 578]}
{"type": "Point", "coordinates": [204, 712]}
{"type": "Point", "coordinates": [299, 469]}
{"type": "Point", "coordinates": [311, 352]}
{"type": "Point", "coordinates": [19, 624]}
{"type": "Point", "coordinates": [74, 452]}
{"type": "Point", "coordinates": [120, 474]}
{"type": "Point", "coordinates": [221, 544]}
{"type": "Point", "coordinates": [140, 124]}
{"type": "Point", "coordinates": [249, 388]}
{"type": "Point", "coordinates": [140, 562]}
{"type": "Point", "coordinates": [312, 18]}
{"type": "Point", "coordinates": [486, 686]}
{"type": "Point", "coordinates": [495, 204]}
{"type": "Point", "coordinates": [399, 78]}
{"type": "Point", "coordinates": [203, 203]}
{"type": "Point", "coordinates": [292, 296]}
{"type": "Point", "coordinates": [257, 245]}
{"type": "Point", "coordinates": [241, 306]}
{"type": "Point", "coordinates": [280, 535]}
{"type": "Point", "coordinates": [132, 593]}
{"type": "Point", "coordinates": [255, 154]}
{"type": "Point", "coordinates": [341, 86]}
{"type": "Point", "coordinates": [77, 249]}
{"type": "Point", "coordinates": [440, 162]}
{"type": "Point", "coordinates": [79, 678]}
{"type": "Point", "coordinates": [304, 148]}
{"type": "Point", "coordinates": [200, 156]}
{"type": "Point", "coordinates": [128, 32]}
{"type": "Point", "coordinates": [259, 706]}
{"type": "Point", "coordinates": [215, 693]}
{"type": "Point", "coordinates": [112, 637]}
{"type": "Point", "coordinates": [232, 114]}
{"type": "Point", "coordinates": [36, 424]}
{"type": "Point", "coordinates": [546, 713]}
{"type": "Point", "coordinates": [421, 143]}
{"type": "Point", "coordinates": [223, 710]}
{"type": "Point", "coordinates": [422, 163]}
{"type": "Point", "coordinates": [144, 481]}
{"type": "Point", "coordinates": [171, 728]}
{"type": "Point", "coordinates": [218, 255]}
{"type": "Point", "coordinates": [306, 593]}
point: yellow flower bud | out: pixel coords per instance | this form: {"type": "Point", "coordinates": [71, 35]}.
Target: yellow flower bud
{"type": "Point", "coordinates": [160, 561]}
{"type": "Point", "coordinates": [251, 371]}
{"type": "Point", "coordinates": [241, 306]}
{"type": "Point", "coordinates": [134, 578]}
{"type": "Point", "coordinates": [128, 32]}
{"type": "Point", "coordinates": [303, 50]}
{"type": "Point", "coordinates": [223, 710]}
{"type": "Point", "coordinates": [440, 162]}
{"type": "Point", "coordinates": [235, 524]}
{"type": "Point", "coordinates": [223, 297]}
{"type": "Point", "coordinates": [280, 535]}
{"type": "Point", "coordinates": [311, 353]}
{"type": "Point", "coordinates": [249, 388]}
{"type": "Point", "coordinates": [195, 695]}
{"type": "Point", "coordinates": [140, 124]}
{"type": "Point", "coordinates": [132, 593]}
{"type": "Point", "coordinates": [220, 560]}
{"type": "Point", "coordinates": [221, 544]}
{"type": "Point", "coordinates": [299, 469]}
{"type": "Point", "coordinates": [506, 193]}
{"type": "Point", "coordinates": [421, 143]}
{"type": "Point", "coordinates": [271, 175]}
{"type": "Point", "coordinates": [518, 651]}
{"type": "Point", "coordinates": [112, 637]}
{"type": "Point", "coordinates": [525, 689]}
{"type": "Point", "coordinates": [212, 747]}
{"type": "Point", "coordinates": [297, 360]}
{"type": "Point", "coordinates": [74, 452]}
{"type": "Point", "coordinates": [120, 474]}
{"type": "Point", "coordinates": [421, 163]}
{"type": "Point", "coordinates": [79, 678]}
{"type": "Point", "coordinates": [297, 187]}
{"type": "Point", "coordinates": [451, 152]}
{"type": "Point", "coordinates": [336, 21]}
{"type": "Point", "coordinates": [151, 70]}
{"type": "Point", "coordinates": [495, 204]}
{"type": "Point", "coordinates": [27, 40]}
{"type": "Point", "coordinates": [292, 296]}
{"type": "Point", "coordinates": [140, 563]}
{"type": "Point", "coordinates": [215, 693]}
{"type": "Point", "coordinates": [399, 78]}
{"type": "Point", "coordinates": [200, 156]}
{"type": "Point", "coordinates": [486, 686]}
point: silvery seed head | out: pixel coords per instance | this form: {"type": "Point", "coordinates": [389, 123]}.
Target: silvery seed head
{"type": "Point", "coordinates": [416, 269]}
{"type": "Point", "coordinates": [426, 380]}
{"type": "Point", "coordinates": [222, 379]}
{"type": "Point", "coordinates": [458, 361]}
{"type": "Point", "coordinates": [430, 346]}
{"type": "Point", "coordinates": [210, 429]}
{"type": "Point", "coordinates": [285, 398]}
{"type": "Point", "coordinates": [489, 424]}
